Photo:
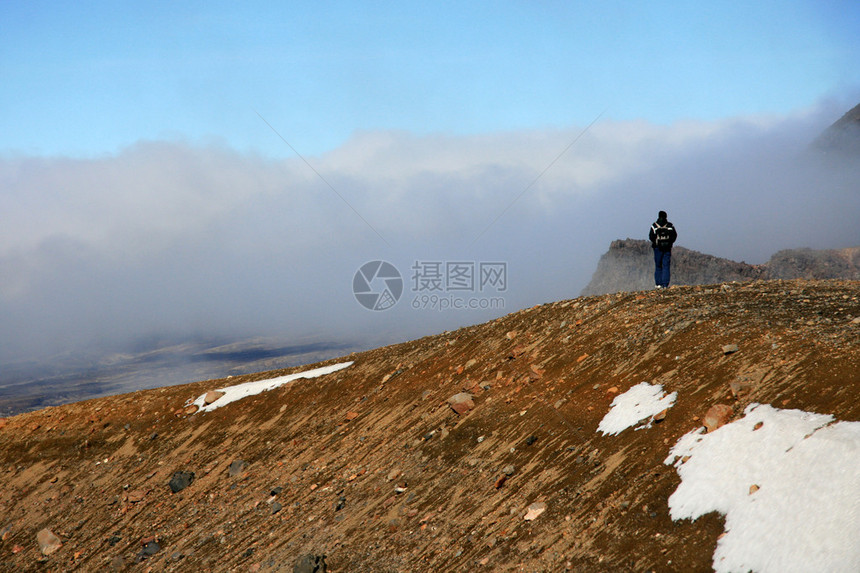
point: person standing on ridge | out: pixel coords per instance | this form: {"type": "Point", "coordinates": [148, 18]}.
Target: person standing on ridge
{"type": "Point", "coordinates": [662, 236]}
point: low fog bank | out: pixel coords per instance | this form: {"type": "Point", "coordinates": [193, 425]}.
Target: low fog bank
{"type": "Point", "coordinates": [173, 240]}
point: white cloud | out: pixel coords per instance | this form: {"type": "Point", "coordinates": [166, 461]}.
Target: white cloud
{"type": "Point", "coordinates": [179, 237]}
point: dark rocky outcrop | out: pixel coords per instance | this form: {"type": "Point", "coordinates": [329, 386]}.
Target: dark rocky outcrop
{"type": "Point", "coordinates": [628, 266]}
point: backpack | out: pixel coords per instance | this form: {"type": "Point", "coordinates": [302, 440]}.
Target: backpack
{"type": "Point", "coordinates": [662, 236]}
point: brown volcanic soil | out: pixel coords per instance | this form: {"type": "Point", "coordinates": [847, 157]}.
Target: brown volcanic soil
{"type": "Point", "coordinates": [96, 473]}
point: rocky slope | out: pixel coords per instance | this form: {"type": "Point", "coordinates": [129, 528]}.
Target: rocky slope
{"type": "Point", "coordinates": [628, 265]}
{"type": "Point", "coordinates": [373, 468]}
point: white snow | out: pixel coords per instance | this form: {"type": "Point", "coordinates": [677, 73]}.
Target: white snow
{"type": "Point", "coordinates": [805, 514]}
{"type": "Point", "coordinates": [639, 403]}
{"type": "Point", "coordinates": [233, 393]}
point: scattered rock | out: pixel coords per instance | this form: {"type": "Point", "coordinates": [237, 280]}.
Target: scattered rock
{"type": "Point", "coordinates": [212, 396]}
{"type": "Point", "coordinates": [534, 510]}
{"type": "Point", "coordinates": [501, 481]}
{"type": "Point", "coordinates": [191, 409]}
{"type": "Point", "coordinates": [730, 348]}
{"type": "Point", "coordinates": [659, 416]}
{"type": "Point", "coordinates": [137, 495]}
{"type": "Point", "coordinates": [350, 416]}
{"type": "Point", "coordinates": [509, 470]}
{"type": "Point", "coordinates": [511, 334]}
{"type": "Point", "coordinates": [117, 563]}
{"type": "Point", "coordinates": [48, 542]}
{"type": "Point", "coordinates": [276, 507]}
{"type": "Point", "coordinates": [739, 388]}
{"type": "Point", "coordinates": [5, 532]}
{"type": "Point", "coordinates": [2, 423]}
{"type": "Point", "coordinates": [393, 474]}
{"type": "Point", "coordinates": [151, 548]}
{"type": "Point", "coordinates": [180, 481]}
{"type": "Point", "coordinates": [310, 564]}
{"type": "Point", "coordinates": [236, 467]}
{"type": "Point", "coordinates": [531, 440]}
{"type": "Point", "coordinates": [717, 416]}
{"type": "Point", "coordinates": [754, 488]}
{"type": "Point", "coordinates": [461, 403]}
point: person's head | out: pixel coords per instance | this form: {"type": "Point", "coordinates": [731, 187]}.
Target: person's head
{"type": "Point", "coordinates": [661, 216]}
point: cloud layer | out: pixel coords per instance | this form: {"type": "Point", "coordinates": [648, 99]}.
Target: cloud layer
{"type": "Point", "coordinates": [170, 238]}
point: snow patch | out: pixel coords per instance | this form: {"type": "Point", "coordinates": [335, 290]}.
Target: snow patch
{"type": "Point", "coordinates": [640, 402]}
{"type": "Point", "coordinates": [788, 483]}
{"type": "Point", "coordinates": [234, 393]}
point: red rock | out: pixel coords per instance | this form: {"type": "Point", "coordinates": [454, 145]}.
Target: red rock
{"type": "Point", "coordinates": [211, 396]}
{"type": "Point", "coordinates": [191, 409]}
{"type": "Point", "coordinates": [717, 416]}
{"type": "Point", "coordinates": [501, 481]}
{"type": "Point", "coordinates": [2, 423]}
{"type": "Point", "coordinates": [461, 403]}
{"type": "Point", "coordinates": [350, 416]}
{"type": "Point", "coordinates": [17, 548]}
{"type": "Point", "coordinates": [48, 542]}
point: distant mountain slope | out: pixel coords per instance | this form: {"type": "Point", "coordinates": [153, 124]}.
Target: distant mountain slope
{"type": "Point", "coordinates": [374, 468]}
{"type": "Point", "coordinates": [843, 136]}
{"type": "Point", "coordinates": [628, 265]}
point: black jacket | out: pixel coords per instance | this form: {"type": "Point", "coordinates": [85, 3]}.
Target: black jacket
{"type": "Point", "coordinates": [662, 235]}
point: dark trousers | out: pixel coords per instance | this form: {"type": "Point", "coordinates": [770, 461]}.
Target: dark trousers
{"type": "Point", "coordinates": [662, 262]}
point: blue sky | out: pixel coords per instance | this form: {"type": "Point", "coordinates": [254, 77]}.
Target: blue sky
{"type": "Point", "coordinates": [86, 79]}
